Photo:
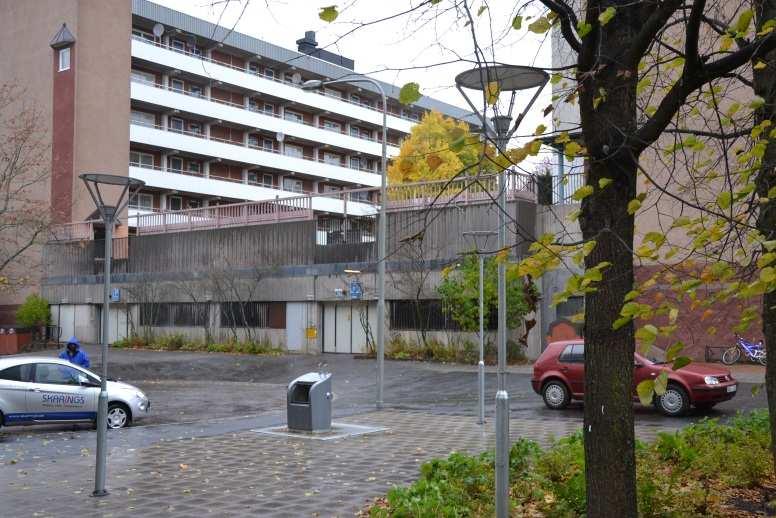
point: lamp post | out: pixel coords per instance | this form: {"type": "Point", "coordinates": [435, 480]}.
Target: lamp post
{"type": "Point", "coordinates": [480, 241]}
{"type": "Point", "coordinates": [492, 80]}
{"type": "Point", "coordinates": [109, 215]}
{"type": "Point", "coordinates": [317, 84]}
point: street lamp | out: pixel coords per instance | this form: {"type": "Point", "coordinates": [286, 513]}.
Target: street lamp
{"type": "Point", "coordinates": [480, 240]}
{"type": "Point", "coordinates": [492, 80]}
{"type": "Point", "coordinates": [317, 84]}
{"type": "Point", "coordinates": [109, 215]}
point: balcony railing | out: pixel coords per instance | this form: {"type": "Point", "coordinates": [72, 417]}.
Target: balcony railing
{"type": "Point", "coordinates": [222, 216]}
{"type": "Point", "coordinates": [77, 231]}
{"type": "Point", "coordinates": [466, 189]}
{"type": "Point", "coordinates": [256, 110]}
{"type": "Point", "coordinates": [272, 77]}
{"type": "Point", "coordinates": [250, 145]}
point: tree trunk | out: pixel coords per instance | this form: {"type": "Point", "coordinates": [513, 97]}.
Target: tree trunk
{"type": "Point", "coordinates": [765, 87]}
{"type": "Point", "coordinates": [610, 465]}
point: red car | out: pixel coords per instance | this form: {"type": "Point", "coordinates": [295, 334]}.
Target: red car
{"type": "Point", "coordinates": [559, 377]}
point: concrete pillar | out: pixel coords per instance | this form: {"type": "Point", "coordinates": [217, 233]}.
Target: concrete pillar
{"type": "Point", "coordinates": [316, 120]}
{"type": "Point", "coordinates": [165, 121]}
{"type": "Point", "coordinates": [166, 80]}
{"type": "Point", "coordinates": [206, 169]}
{"type": "Point", "coordinates": [208, 92]}
{"type": "Point", "coordinates": [245, 175]}
{"type": "Point", "coordinates": [315, 186]}
{"type": "Point", "coordinates": [163, 162]}
{"type": "Point", "coordinates": [207, 130]}
{"type": "Point", "coordinates": [162, 202]}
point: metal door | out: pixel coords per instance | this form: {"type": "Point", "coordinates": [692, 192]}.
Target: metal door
{"type": "Point", "coordinates": [56, 395]}
{"type": "Point", "coordinates": [66, 316]}
{"type": "Point", "coordinates": [118, 323]}
{"type": "Point", "coordinates": [296, 321]}
{"type": "Point", "coordinates": [329, 328]}
{"type": "Point", "coordinates": [342, 333]}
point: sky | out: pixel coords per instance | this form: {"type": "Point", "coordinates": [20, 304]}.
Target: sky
{"type": "Point", "coordinates": [399, 50]}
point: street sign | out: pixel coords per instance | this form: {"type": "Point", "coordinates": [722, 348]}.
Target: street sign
{"type": "Point", "coordinates": [355, 290]}
{"type": "Point", "coordinates": [115, 294]}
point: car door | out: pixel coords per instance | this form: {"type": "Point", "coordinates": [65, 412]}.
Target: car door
{"type": "Point", "coordinates": [643, 370]}
{"type": "Point", "coordinates": [61, 393]}
{"type": "Point", "coordinates": [14, 384]}
{"type": "Point", "coordinates": [571, 363]}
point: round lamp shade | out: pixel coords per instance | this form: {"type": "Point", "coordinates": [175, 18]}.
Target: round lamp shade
{"type": "Point", "coordinates": [508, 77]}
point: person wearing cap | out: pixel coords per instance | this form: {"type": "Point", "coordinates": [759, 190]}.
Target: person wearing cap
{"type": "Point", "coordinates": [74, 354]}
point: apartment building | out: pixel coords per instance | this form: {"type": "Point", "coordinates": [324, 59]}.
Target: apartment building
{"type": "Point", "coordinates": [203, 115]}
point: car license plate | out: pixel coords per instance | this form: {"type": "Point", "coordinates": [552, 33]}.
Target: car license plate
{"type": "Point", "coordinates": [732, 388]}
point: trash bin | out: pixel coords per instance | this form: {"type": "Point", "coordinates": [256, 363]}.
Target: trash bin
{"type": "Point", "coordinates": [309, 403]}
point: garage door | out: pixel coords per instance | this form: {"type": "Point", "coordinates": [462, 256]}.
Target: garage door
{"type": "Point", "coordinates": [344, 326]}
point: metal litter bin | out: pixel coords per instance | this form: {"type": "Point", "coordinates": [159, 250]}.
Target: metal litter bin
{"type": "Point", "coordinates": [309, 403]}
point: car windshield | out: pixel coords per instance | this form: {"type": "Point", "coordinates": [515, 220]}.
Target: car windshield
{"type": "Point", "coordinates": [654, 356]}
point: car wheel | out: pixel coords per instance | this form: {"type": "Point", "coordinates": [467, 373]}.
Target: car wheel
{"type": "Point", "coordinates": [731, 355]}
{"type": "Point", "coordinates": [555, 394]}
{"type": "Point", "coordinates": [118, 416]}
{"type": "Point", "coordinates": [674, 401]}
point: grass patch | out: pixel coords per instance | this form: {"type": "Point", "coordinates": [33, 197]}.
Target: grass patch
{"type": "Point", "coordinates": [462, 351]}
{"type": "Point", "coordinates": [178, 342]}
{"type": "Point", "coordinates": [690, 473]}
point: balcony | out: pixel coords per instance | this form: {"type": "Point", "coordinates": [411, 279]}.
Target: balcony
{"type": "Point", "coordinates": [182, 100]}
{"type": "Point", "coordinates": [209, 69]}
{"type": "Point", "coordinates": [199, 144]}
{"type": "Point", "coordinates": [342, 202]}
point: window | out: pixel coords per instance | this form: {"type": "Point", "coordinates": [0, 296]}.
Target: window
{"type": "Point", "coordinates": [293, 116]}
{"type": "Point", "coordinates": [355, 162]}
{"type": "Point", "coordinates": [142, 200]}
{"type": "Point", "coordinates": [268, 180]}
{"type": "Point", "coordinates": [355, 131]}
{"type": "Point", "coordinates": [292, 184]}
{"type": "Point", "coordinates": [176, 84]}
{"type": "Point", "coordinates": [331, 188]}
{"type": "Point", "coordinates": [366, 134]}
{"type": "Point", "coordinates": [184, 314]}
{"type": "Point", "coordinates": [269, 73]}
{"type": "Point", "coordinates": [295, 151]}
{"type": "Point", "coordinates": [194, 167]}
{"type": "Point", "coordinates": [176, 124]}
{"type": "Point", "coordinates": [178, 45]}
{"type": "Point", "coordinates": [269, 108]}
{"type": "Point", "coordinates": [356, 99]}
{"type": "Point", "coordinates": [175, 164]}
{"type": "Point", "coordinates": [268, 144]}
{"type": "Point", "coordinates": [64, 59]}
{"type": "Point", "coordinates": [253, 67]}
{"type": "Point", "coordinates": [55, 374]}
{"type": "Point", "coordinates": [253, 177]}
{"type": "Point", "coordinates": [196, 51]}
{"type": "Point", "coordinates": [174, 203]}
{"type": "Point", "coordinates": [17, 373]}
{"type": "Point", "coordinates": [143, 34]}
{"type": "Point", "coordinates": [332, 92]}
{"type": "Point", "coordinates": [331, 158]}
{"type": "Point", "coordinates": [332, 126]}
{"type": "Point", "coordinates": [359, 196]}
{"type": "Point", "coordinates": [196, 91]}
{"type": "Point", "coordinates": [195, 128]}
{"type": "Point", "coordinates": [144, 118]}
{"type": "Point", "coordinates": [253, 105]}
{"type": "Point", "coordinates": [194, 204]}
{"type": "Point", "coordinates": [245, 314]}
{"type": "Point", "coordinates": [417, 314]}
{"type": "Point", "coordinates": [574, 353]}
{"type": "Point", "coordinates": [141, 76]}
{"type": "Point", "coordinates": [253, 141]}
{"type": "Point", "coordinates": [138, 158]}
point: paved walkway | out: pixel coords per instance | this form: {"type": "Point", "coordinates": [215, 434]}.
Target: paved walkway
{"type": "Point", "coordinates": [252, 474]}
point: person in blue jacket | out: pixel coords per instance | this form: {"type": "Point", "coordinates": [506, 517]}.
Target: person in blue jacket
{"type": "Point", "coordinates": [74, 354]}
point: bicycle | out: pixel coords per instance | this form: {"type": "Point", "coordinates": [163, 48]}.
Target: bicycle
{"type": "Point", "coordinates": [754, 352]}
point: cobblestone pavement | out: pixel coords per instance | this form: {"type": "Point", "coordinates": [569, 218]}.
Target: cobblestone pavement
{"type": "Point", "coordinates": [252, 474]}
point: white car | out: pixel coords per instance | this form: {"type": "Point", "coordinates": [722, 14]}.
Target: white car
{"type": "Point", "coordinates": [50, 390]}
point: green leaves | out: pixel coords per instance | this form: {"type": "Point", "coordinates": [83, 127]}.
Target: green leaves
{"type": "Point", "coordinates": [328, 14]}
{"type": "Point", "coordinates": [742, 24]}
{"type": "Point", "coordinates": [603, 182]}
{"type": "Point", "coordinates": [724, 199]}
{"type": "Point", "coordinates": [517, 22]}
{"type": "Point", "coordinates": [409, 93]}
{"type": "Point", "coordinates": [661, 382]}
{"type": "Point", "coordinates": [583, 28]}
{"type": "Point", "coordinates": [606, 16]}
{"type": "Point", "coordinates": [646, 390]}
{"type": "Point", "coordinates": [571, 149]}
{"type": "Point", "coordinates": [633, 206]}
{"type": "Point", "coordinates": [582, 193]}
{"type": "Point", "coordinates": [540, 26]}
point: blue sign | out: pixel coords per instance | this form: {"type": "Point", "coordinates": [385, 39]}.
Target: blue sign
{"type": "Point", "coordinates": [115, 294]}
{"type": "Point", "coordinates": [355, 290]}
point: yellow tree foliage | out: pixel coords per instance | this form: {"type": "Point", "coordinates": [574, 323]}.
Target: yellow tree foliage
{"type": "Point", "coordinates": [438, 148]}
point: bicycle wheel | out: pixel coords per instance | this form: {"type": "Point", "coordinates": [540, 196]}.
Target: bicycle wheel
{"type": "Point", "coordinates": [762, 360]}
{"type": "Point", "coordinates": [731, 355]}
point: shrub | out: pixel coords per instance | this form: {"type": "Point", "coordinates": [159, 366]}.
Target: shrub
{"type": "Point", "coordinates": [178, 342]}
{"type": "Point", "coordinates": [34, 311]}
